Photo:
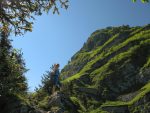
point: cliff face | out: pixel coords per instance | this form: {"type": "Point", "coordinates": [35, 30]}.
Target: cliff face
{"type": "Point", "coordinates": [111, 72]}
{"type": "Point", "coordinates": [98, 42]}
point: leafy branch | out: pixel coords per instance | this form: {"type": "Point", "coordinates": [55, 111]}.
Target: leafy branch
{"type": "Point", "coordinates": [18, 15]}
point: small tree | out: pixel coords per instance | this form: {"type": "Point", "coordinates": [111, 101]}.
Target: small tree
{"type": "Point", "coordinates": [47, 82]}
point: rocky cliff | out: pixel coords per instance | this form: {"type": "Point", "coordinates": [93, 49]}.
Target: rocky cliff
{"type": "Point", "coordinates": [111, 72]}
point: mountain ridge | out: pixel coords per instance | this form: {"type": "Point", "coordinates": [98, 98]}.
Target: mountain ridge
{"type": "Point", "coordinates": [113, 68]}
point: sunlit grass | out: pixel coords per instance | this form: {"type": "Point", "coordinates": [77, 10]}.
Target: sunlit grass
{"type": "Point", "coordinates": [134, 40]}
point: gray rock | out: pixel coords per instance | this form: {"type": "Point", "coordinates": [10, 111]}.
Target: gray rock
{"type": "Point", "coordinates": [55, 100]}
{"type": "Point", "coordinates": [116, 109]}
{"type": "Point", "coordinates": [24, 109]}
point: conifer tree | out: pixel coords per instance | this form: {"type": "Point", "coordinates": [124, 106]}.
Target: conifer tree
{"type": "Point", "coordinates": [12, 67]}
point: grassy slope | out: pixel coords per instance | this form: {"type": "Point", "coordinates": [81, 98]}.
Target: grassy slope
{"type": "Point", "coordinates": [100, 39]}
{"type": "Point", "coordinates": [90, 51]}
{"type": "Point", "coordinates": [136, 38]}
{"type": "Point", "coordinates": [142, 92]}
{"type": "Point", "coordinates": [112, 53]}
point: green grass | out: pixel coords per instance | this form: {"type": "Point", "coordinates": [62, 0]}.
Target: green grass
{"type": "Point", "coordinates": [147, 64]}
{"type": "Point", "coordinates": [101, 73]}
{"type": "Point", "coordinates": [134, 43]}
{"type": "Point", "coordinates": [114, 103]}
{"type": "Point", "coordinates": [138, 37]}
{"type": "Point", "coordinates": [143, 91]}
{"type": "Point", "coordinates": [137, 31]}
{"type": "Point", "coordinates": [95, 52]}
{"type": "Point", "coordinates": [78, 60]}
{"type": "Point", "coordinates": [78, 103]}
{"type": "Point", "coordinates": [98, 111]}
{"type": "Point", "coordinates": [76, 76]}
{"type": "Point", "coordinates": [116, 59]}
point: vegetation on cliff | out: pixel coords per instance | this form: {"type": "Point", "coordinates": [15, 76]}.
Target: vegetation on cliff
{"type": "Point", "coordinates": [110, 73]}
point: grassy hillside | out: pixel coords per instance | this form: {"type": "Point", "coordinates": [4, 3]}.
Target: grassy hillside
{"type": "Point", "coordinates": [109, 74]}
{"type": "Point", "coordinates": [113, 64]}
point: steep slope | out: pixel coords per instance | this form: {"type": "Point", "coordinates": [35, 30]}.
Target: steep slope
{"type": "Point", "coordinates": [109, 74]}
{"type": "Point", "coordinates": [96, 44]}
{"type": "Point", "coordinates": [113, 64]}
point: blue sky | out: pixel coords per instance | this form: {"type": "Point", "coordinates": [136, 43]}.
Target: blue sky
{"type": "Point", "coordinates": [56, 38]}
